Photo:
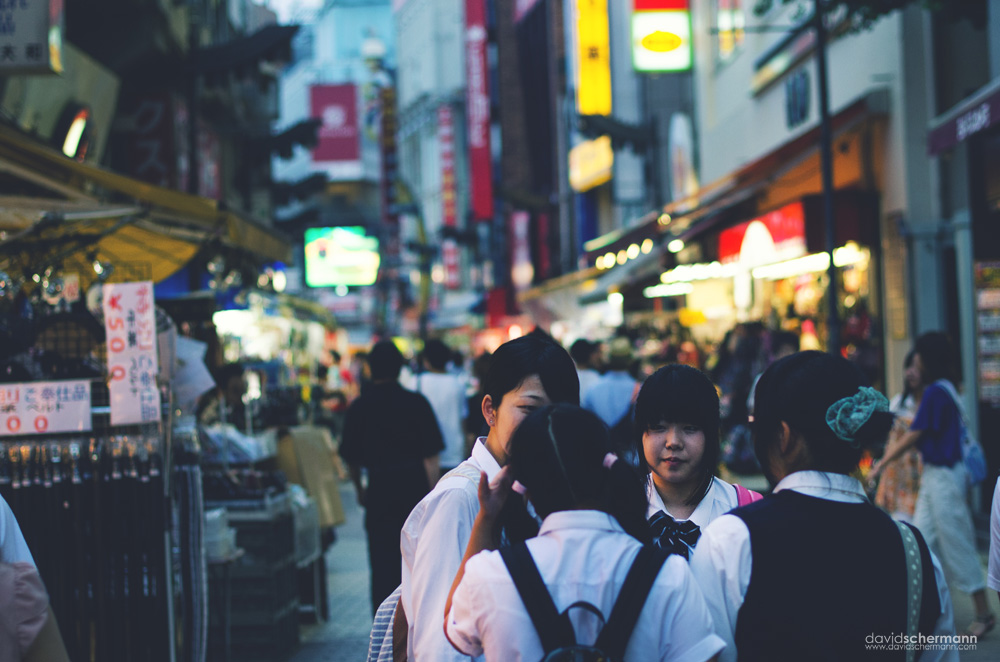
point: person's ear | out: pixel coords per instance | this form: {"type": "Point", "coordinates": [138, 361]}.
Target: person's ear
{"type": "Point", "coordinates": [785, 438]}
{"type": "Point", "coordinates": [489, 413]}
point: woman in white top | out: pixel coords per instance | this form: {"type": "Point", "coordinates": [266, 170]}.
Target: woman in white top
{"type": "Point", "coordinates": [524, 375]}
{"type": "Point", "coordinates": [676, 432]}
{"type": "Point", "coordinates": [593, 508]}
{"type": "Point", "coordinates": [814, 571]}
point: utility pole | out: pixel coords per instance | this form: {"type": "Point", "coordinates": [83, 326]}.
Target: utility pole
{"type": "Point", "coordinates": [826, 165]}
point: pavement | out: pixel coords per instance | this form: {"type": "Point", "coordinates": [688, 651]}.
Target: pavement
{"type": "Point", "coordinates": [344, 638]}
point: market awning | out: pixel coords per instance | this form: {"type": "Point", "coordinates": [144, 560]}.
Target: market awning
{"type": "Point", "coordinates": [72, 237]}
{"type": "Point", "coordinates": [68, 179]}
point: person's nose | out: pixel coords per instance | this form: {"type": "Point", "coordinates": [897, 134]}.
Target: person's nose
{"type": "Point", "coordinates": [673, 439]}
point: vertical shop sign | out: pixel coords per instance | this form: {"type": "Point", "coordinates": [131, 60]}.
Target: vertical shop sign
{"type": "Point", "coordinates": [449, 214]}
{"type": "Point", "coordinates": [988, 330]}
{"type": "Point", "coordinates": [390, 173]}
{"type": "Point", "coordinates": [478, 110]}
{"type": "Point", "coordinates": [593, 83]}
{"type": "Point", "coordinates": [130, 326]}
{"type": "Point", "coordinates": [31, 37]}
{"type": "Point", "coordinates": [45, 407]}
{"type": "Point", "coordinates": [152, 157]}
{"type": "Point", "coordinates": [522, 271]}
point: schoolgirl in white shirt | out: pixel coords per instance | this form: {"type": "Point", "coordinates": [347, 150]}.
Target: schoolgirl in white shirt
{"type": "Point", "coordinates": [815, 571]}
{"type": "Point", "coordinates": [593, 508]}
{"type": "Point", "coordinates": [525, 374]}
{"type": "Point", "coordinates": [676, 433]}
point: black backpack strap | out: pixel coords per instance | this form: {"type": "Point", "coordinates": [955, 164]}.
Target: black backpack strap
{"type": "Point", "coordinates": [625, 613]}
{"type": "Point", "coordinates": [554, 629]}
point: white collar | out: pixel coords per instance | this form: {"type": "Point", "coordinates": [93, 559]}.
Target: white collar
{"type": "Point", "coordinates": [824, 485]}
{"type": "Point", "coordinates": [484, 458]}
{"type": "Point", "coordinates": [580, 519]}
{"type": "Point", "coordinates": [702, 513]}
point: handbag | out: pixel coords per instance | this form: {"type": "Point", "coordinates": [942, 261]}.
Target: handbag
{"type": "Point", "coordinates": [972, 452]}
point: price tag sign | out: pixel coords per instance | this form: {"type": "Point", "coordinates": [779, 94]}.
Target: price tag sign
{"type": "Point", "coordinates": [45, 407]}
{"type": "Point", "coordinates": [130, 325]}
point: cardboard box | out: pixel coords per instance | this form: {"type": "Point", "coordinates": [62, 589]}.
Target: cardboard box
{"type": "Point", "coordinates": [308, 456]}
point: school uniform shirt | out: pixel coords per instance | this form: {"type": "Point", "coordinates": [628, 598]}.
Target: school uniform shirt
{"type": "Point", "coordinates": [719, 500]}
{"type": "Point", "coordinates": [611, 397]}
{"type": "Point", "coordinates": [433, 542]}
{"type": "Point", "coordinates": [12, 545]}
{"type": "Point", "coordinates": [722, 562]}
{"type": "Point", "coordinates": [581, 555]}
{"type": "Point", "coordinates": [993, 573]}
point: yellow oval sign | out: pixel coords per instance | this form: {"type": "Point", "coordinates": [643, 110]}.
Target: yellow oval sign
{"type": "Point", "coordinates": [661, 42]}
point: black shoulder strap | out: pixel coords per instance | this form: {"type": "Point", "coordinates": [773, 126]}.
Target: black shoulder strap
{"type": "Point", "coordinates": [554, 629]}
{"type": "Point", "coordinates": [625, 613]}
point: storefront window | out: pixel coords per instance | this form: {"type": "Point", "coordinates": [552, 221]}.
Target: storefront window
{"type": "Point", "coordinates": [730, 20]}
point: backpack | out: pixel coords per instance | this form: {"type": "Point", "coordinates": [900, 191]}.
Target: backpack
{"type": "Point", "coordinates": [972, 453]}
{"type": "Point", "coordinates": [555, 629]}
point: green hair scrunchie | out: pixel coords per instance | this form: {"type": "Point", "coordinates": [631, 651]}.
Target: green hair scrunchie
{"type": "Point", "coordinates": [847, 415]}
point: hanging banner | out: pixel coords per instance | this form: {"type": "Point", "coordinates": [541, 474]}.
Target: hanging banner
{"type": "Point", "coordinates": [130, 325]}
{"type": "Point", "coordinates": [45, 407]}
{"type": "Point", "coordinates": [593, 81]}
{"type": "Point", "coordinates": [31, 37]}
{"type": "Point", "coordinates": [338, 147]}
{"type": "Point", "coordinates": [478, 111]}
{"type": "Point", "coordinates": [449, 211]}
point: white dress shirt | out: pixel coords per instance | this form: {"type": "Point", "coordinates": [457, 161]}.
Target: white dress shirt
{"type": "Point", "coordinates": [581, 555]}
{"type": "Point", "coordinates": [722, 561]}
{"type": "Point", "coordinates": [993, 573]}
{"type": "Point", "coordinates": [446, 393]}
{"type": "Point", "coordinates": [719, 500]}
{"type": "Point", "coordinates": [12, 545]}
{"type": "Point", "coordinates": [433, 542]}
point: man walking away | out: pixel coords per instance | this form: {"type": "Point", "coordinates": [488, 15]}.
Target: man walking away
{"type": "Point", "coordinates": [393, 434]}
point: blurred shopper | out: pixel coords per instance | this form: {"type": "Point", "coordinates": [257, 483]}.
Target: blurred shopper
{"type": "Point", "coordinates": [475, 423]}
{"type": "Point", "coordinates": [393, 434]}
{"type": "Point", "coordinates": [525, 374]}
{"type": "Point", "coordinates": [583, 559]}
{"type": "Point", "coordinates": [611, 397]}
{"type": "Point", "coordinates": [993, 572]}
{"type": "Point", "coordinates": [224, 403]}
{"type": "Point", "coordinates": [446, 393]}
{"type": "Point", "coordinates": [677, 437]}
{"type": "Point", "coordinates": [942, 512]}
{"type": "Point", "coordinates": [587, 357]}
{"type": "Point", "coordinates": [813, 570]}
{"type": "Point", "coordinates": [899, 484]}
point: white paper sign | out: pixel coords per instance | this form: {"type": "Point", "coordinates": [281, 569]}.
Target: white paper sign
{"type": "Point", "coordinates": [31, 36]}
{"type": "Point", "coordinates": [130, 325]}
{"type": "Point", "coordinates": [45, 407]}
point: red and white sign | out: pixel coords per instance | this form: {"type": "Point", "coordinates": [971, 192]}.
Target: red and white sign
{"type": "Point", "coordinates": [338, 148]}
{"type": "Point", "coordinates": [787, 229]}
{"type": "Point", "coordinates": [522, 270]}
{"type": "Point", "coordinates": [478, 110]}
{"type": "Point", "coordinates": [130, 325]}
{"type": "Point", "coordinates": [44, 407]}
{"type": "Point", "coordinates": [449, 212]}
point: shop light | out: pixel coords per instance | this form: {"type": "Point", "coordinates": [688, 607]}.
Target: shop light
{"type": "Point", "coordinates": [849, 254]}
{"type": "Point", "coordinates": [609, 260]}
{"type": "Point", "coordinates": [668, 290]}
{"type": "Point", "coordinates": [279, 281]}
{"type": "Point", "coordinates": [616, 298]}
{"type": "Point", "coordinates": [685, 273]}
{"type": "Point", "coordinates": [341, 291]}
{"type": "Point", "coordinates": [633, 251]}
{"type": "Point", "coordinates": [622, 256]}
{"type": "Point", "coordinates": [515, 331]}
{"type": "Point", "coordinates": [808, 264]}
{"type": "Point", "coordinates": [647, 246]}
{"type": "Point", "coordinates": [599, 262]}
{"type": "Point", "coordinates": [664, 219]}
{"type": "Point", "coordinates": [675, 246]}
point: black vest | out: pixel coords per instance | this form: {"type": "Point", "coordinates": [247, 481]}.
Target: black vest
{"type": "Point", "coordinates": [826, 576]}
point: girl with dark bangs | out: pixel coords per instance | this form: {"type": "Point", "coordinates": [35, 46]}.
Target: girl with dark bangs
{"type": "Point", "coordinates": [588, 560]}
{"type": "Point", "coordinates": [676, 433]}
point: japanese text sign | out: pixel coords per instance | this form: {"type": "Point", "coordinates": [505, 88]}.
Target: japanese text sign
{"type": "Point", "coordinates": [45, 407]}
{"type": "Point", "coordinates": [130, 325]}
